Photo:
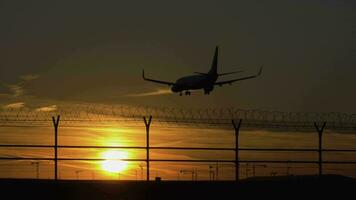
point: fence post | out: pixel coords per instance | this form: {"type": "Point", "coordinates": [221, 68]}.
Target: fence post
{"type": "Point", "coordinates": [320, 134]}
{"type": "Point", "coordinates": [55, 124]}
{"type": "Point", "coordinates": [237, 163]}
{"type": "Point", "coordinates": [147, 124]}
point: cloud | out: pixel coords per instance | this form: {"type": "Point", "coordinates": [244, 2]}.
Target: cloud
{"type": "Point", "coordinates": [29, 77]}
{"type": "Point", "coordinates": [5, 95]}
{"type": "Point", "coordinates": [15, 105]}
{"type": "Point", "coordinates": [153, 93]}
{"type": "Point", "coordinates": [16, 89]}
{"type": "Point", "coordinates": [47, 108]}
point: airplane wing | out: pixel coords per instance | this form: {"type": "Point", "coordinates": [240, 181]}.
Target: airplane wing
{"type": "Point", "coordinates": [156, 81]}
{"type": "Point", "coordinates": [228, 73]}
{"type": "Point", "coordinates": [223, 74]}
{"type": "Point", "coordinates": [221, 83]}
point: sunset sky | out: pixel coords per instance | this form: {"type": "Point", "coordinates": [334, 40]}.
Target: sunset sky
{"type": "Point", "coordinates": [167, 137]}
{"type": "Point", "coordinates": [86, 51]}
{"type": "Point", "coordinates": [57, 53]}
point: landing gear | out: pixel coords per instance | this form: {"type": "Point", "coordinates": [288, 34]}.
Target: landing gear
{"type": "Point", "coordinates": [208, 90]}
{"type": "Point", "coordinates": [186, 93]}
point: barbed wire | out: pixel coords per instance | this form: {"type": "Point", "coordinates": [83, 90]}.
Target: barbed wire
{"type": "Point", "coordinates": [107, 115]}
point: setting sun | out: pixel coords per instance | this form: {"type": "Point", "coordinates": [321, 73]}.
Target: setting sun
{"type": "Point", "coordinates": [113, 162]}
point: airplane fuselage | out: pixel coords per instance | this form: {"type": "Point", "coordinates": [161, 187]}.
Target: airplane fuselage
{"type": "Point", "coordinates": [205, 81]}
{"type": "Point", "coordinates": [195, 82]}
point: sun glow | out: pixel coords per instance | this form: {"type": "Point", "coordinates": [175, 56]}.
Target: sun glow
{"type": "Point", "coordinates": [113, 162]}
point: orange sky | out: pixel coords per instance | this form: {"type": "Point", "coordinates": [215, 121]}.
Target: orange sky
{"type": "Point", "coordinates": [168, 136]}
{"type": "Point", "coordinates": [89, 53]}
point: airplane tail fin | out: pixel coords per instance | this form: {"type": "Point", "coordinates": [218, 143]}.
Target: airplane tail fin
{"type": "Point", "coordinates": [214, 64]}
{"type": "Point", "coordinates": [260, 72]}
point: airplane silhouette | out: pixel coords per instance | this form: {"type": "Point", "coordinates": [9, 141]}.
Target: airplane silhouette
{"type": "Point", "coordinates": [205, 81]}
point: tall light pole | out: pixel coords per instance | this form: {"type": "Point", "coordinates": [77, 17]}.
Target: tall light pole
{"type": "Point", "coordinates": [189, 172]}
{"type": "Point", "coordinates": [254, 168]}
{"type": "Point", "coordinates": [287, 168]}
{"type": "Point", "coordinates": [37, 168]}
{"type": "Point", "coordinates": [93, 175]}
{"type": "Point", "coordinates": [141, 171]}
{"type": "Point", "coordinates": [211, 173]}
{"type": "Point", "coordinates": [247, 170]}
{"type": "Point", "coordinates": [77, 173]}
{"type": "Point", "coordinates": [217, 171]}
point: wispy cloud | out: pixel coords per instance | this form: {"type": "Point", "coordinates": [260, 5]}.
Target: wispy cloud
{"type": "Point", "coordinates": [15, 105]}
{"type": "Point", "coordinates": [16, 89]}
{"type": "Point", "coordinates": [29, 77]}
{"type": "Point", "coordinates": [5, 95]}
{"type": "Point", "coordinates": [153, 93]}
{"type": "Point", "coordinates": [47, 108]}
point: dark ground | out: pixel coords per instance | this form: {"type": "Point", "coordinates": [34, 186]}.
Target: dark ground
{"type": "Point", "coordinates": [301, 187]}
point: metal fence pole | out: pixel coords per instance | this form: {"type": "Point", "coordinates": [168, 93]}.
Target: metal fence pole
{"type": "Point", "coordinates": [147, 124]}
{"type": "Point", "coordinates": [55, 124]}
{"type": "Point", "coordinates": [320, 134]}
{"type": "Point", "coordinates": [237, 163]}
